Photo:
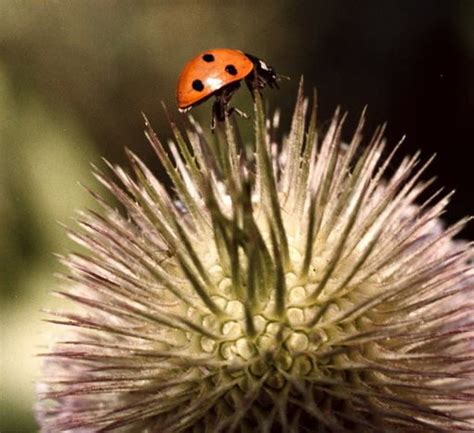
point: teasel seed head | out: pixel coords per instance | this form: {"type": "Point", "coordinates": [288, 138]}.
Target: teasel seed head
{"type": "Point", "coordinates": [292, 286]}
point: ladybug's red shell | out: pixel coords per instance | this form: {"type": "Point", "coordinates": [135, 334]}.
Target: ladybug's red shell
{"type": "Point", "coordinates": [208, 72]}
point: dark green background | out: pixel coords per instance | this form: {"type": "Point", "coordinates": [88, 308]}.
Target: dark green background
{"type": "Point", "coordinates": [75, 75]}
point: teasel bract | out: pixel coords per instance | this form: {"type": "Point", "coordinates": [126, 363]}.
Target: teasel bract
{"type": "Point", "coordinates": [276, 287]}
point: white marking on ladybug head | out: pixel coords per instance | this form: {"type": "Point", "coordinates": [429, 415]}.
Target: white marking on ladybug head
{"type": "Point", "coordinates": [264, 66]}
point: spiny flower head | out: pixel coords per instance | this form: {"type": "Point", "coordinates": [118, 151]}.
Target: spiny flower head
{"type": "Point", "coordinates": [279, 287]}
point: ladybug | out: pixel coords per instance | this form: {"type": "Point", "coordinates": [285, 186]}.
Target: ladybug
{"type": "Point", "coordinates": [218, 73]}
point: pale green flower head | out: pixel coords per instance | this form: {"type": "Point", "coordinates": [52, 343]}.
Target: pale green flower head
{"type": "Point", "coordinates": [291, 286]}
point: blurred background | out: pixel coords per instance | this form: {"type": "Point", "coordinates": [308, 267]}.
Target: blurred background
{"type": "Point", "coordinates": [75, 75]}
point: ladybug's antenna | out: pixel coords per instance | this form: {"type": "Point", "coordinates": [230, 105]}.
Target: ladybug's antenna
{"type": "Point", "coordinates": [283, 77]}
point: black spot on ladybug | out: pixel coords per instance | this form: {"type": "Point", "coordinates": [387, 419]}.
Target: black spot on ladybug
{"type": "Point", "coordinates": [230, 69]}
{"type": "Point", "coordinates": [197, 85]}
{"type": "Point", "coordinates": [208, 58]}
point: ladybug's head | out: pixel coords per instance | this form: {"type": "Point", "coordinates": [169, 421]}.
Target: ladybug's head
{"type": "Point", "coordinates": [263, 74]}
{"type": "Point", "coordinates": [267, 73]}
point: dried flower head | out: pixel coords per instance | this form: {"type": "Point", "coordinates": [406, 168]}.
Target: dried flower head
{"type": "Point", "coordinates": [280, 287]}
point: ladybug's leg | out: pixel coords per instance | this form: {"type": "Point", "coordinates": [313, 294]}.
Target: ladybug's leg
{"type": "Point", "coordinates": [221, 108]}
{"type": "Point", "coordinates": [227, 95]}
{"type": "Point", "coordinates": [213, 116]}
{"type": "Point", "coordinates": [239, 112]}
{"type": "Point", "coordinates": [252, 83]}
{"type": "Point", "coordinates": [218, 112]}
{"type": "Point", "coordinates": [255, 83]}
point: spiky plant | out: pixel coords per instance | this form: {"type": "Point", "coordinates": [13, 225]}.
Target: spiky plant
{"type": "Point", "coordinates": [279, 287]}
